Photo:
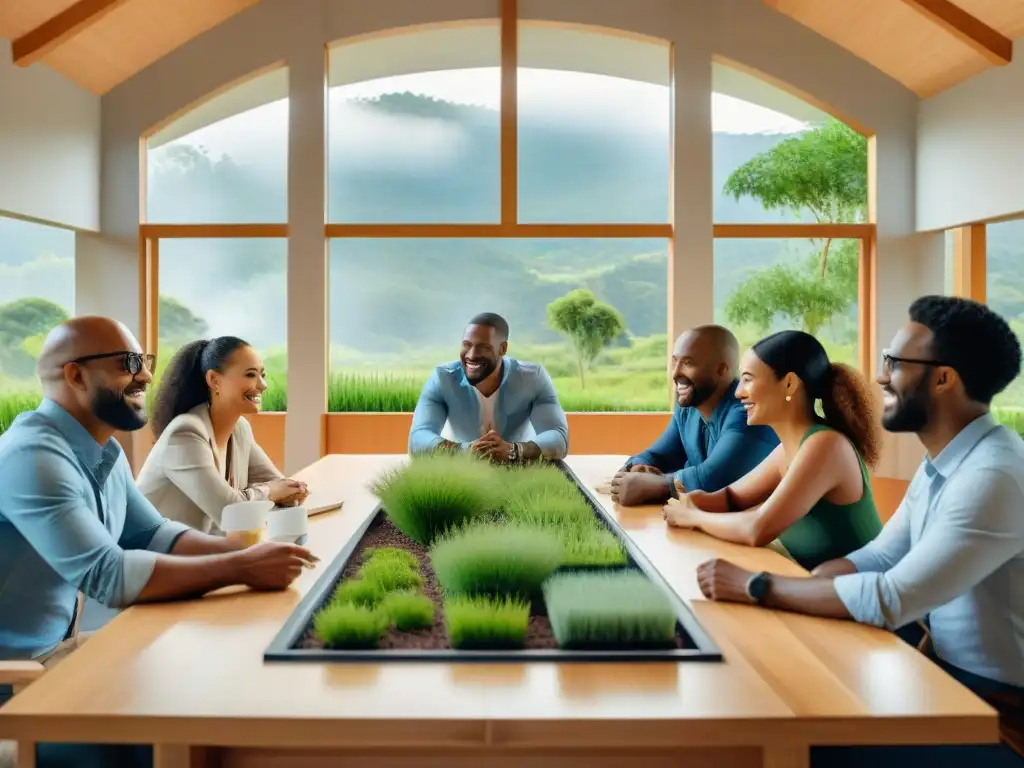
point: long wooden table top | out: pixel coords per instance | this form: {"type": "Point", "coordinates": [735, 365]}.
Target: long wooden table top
{"type": "Point", "coordinates": [193, 672]}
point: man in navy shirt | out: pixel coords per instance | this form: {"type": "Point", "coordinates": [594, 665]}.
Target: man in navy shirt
{"type": "Point", "coordinates": [707, 445]}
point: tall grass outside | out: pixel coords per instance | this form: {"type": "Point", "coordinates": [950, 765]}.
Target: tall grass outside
{"type": "Point", "coordinates": [14, 403]}
{"type": "Point", "coordinates": [622, 379]}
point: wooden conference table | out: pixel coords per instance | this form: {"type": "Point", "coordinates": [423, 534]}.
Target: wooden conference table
{"type": "Point", "coordinates": [190, 678]}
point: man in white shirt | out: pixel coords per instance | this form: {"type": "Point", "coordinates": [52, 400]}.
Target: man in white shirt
{"type": "Point", "coordinates": [952, 556]}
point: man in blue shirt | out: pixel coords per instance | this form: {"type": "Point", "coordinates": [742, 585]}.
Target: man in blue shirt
{"type": "Point", "coordinates": [707, 445]}
{"type": "Point", "coordinates": [71, 518]}
{"type": "Point", "coordinates": [494, 405]}
{"type": "Point", "coordinates": [952, 556]}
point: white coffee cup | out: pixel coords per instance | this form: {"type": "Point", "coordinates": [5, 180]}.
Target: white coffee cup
{"type": "Point", "coordinates": [245, 521]}
{"type": "Point", "coordinates": [288, 524]}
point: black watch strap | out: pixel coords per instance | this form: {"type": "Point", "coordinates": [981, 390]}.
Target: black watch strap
{"type": "Point", "coordinates": [673, 492]}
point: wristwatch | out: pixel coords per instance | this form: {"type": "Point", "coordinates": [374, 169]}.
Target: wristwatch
{"type": "Point", "coordinates": [673, 491]}
{"type": "Point", "coordinates": [758, 586]}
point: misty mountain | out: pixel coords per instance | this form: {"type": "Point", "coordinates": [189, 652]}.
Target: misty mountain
{"type": "Point", "coordinates": [410, 159]}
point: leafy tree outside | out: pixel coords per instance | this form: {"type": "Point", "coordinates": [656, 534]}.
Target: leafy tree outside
{"type": "Point", "coordinates": [821, 173]}
{"type": "Point", "coordinates": [591, 325]}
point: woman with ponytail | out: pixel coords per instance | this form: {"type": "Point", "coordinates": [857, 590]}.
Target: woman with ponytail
{"type": "Point", "coordinates": [812, 493]}
{"type": "Point", "coordinates": [205, 456]}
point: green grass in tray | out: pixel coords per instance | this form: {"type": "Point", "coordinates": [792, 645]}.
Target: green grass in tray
{"type": "Point", "coordinates": [595, 547]}
{"type": "Point", "coordinates": [359, 592]}
{"type": "Point", "coordinates": [433, 493]}
{"type": "Point", "coordinates": [390, 554]}
{"type": "Point", "coordinates": [550, 507]}
{"type": "Point", "coordinates": [619, 609]}
{"type": "Point", "coordinates": [408, 611]}
{"type": "Point", "coordinates": [529, 479]}
{"type": "Point", "coordinates": [391, 575]}
{"type": "Point", "coordinates": [496, 559]}
{"type": "Point", "coordinates": [568, 514]}
{"type": "Point", "coordinates": [343, 625]}
{"type": "Point", "coordinates": [486, 622]}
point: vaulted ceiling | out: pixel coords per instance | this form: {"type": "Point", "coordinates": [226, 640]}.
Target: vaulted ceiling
{"type": "Point", "coordinates": [101, 43]}
{"type": "Point", "coordinates": [928, 45]}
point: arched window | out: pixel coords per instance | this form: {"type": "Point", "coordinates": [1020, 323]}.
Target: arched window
{"type": "Point", "coordinates": [415, 138]}
{"type": "Point", "coordinates": [466, 173]}
{"type": "Point", "coordinates": [224, 162]}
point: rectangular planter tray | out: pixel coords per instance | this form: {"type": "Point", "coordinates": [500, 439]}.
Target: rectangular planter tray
{"type": "Point", "coordinates": [697, 645]}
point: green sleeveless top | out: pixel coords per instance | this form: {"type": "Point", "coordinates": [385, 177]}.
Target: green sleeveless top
{"type": "Point", "coordinates": [829, 531]}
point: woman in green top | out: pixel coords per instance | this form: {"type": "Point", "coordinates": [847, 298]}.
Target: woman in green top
{"type": "Point", "coordinates": [812, 492]}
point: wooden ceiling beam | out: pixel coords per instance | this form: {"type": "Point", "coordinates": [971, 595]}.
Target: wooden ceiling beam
{"type": "Point", "coordinates": [52, 33]}
{"type": "Point", "coordinates": [993, 45]}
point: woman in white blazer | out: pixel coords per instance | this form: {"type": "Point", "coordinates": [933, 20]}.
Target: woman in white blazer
{"type": "Point", "coordinates": [205, 456]}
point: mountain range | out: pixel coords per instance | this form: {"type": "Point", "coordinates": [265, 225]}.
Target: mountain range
{"type": "Point", "coordinates": [411, 159]}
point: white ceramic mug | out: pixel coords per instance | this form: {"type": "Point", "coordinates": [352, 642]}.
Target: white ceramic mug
{"type": "Point", "coordinates": [245, 521]}
{"type": "Point", "coordinates": [288, 524]}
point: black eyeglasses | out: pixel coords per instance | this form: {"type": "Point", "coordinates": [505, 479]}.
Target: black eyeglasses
{"type": "Point", "coordinates": [889, 362]}
{"type": "Point", "coordinates": [133, 361]}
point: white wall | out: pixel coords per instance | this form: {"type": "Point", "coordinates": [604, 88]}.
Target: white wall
{"type": "Point", "coordinates": [745, 31]}
{"type": "Point", "coordinates": [971, 150]}
{"type": "Point", "coordinates": [103, 268]}
{"type": "Point", "coordinates": [49, 146]}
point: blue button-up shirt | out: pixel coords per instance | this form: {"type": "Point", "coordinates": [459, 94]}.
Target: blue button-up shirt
{"type": "Point", "coordinates": [954, 552]}
{"type": "Point", "coordinates": [71, 519]}
{"type": "Point", "coordinates": [713, 454]}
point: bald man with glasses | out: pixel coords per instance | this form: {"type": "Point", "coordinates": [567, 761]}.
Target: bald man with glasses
{"type": "Point", "coordinates": [72, 520]}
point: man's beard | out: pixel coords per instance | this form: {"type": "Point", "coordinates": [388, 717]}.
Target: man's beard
{"type": "Point", "coordinates": [911, 412]}
{"type": "Point", "coordinates": [699, 393]}
{"type": "Point", "coordinates": [110, 407]}
{"type": "Point", "coordinates": [487, 368]}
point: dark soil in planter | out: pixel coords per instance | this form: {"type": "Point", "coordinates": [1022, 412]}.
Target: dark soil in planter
{"type": "Point", "coordinates": [383, 533]}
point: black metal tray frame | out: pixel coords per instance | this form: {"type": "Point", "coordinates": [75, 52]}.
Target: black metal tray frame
{"type": "Point", "coordinates": [698, 646]}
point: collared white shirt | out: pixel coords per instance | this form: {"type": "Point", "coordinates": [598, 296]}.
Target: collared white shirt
{"type": "Point", "coordinates": [954, 552]}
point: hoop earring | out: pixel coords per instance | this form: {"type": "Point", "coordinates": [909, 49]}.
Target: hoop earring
{"type": "Point", "coordinates": [788, 398]}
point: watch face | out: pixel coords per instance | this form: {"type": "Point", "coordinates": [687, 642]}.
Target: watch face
{"type": "Point", "coordinates": [757, 587]}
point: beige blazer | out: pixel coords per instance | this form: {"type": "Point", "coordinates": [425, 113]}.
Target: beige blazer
{"type": "Point", "coordinates": [183, 479]}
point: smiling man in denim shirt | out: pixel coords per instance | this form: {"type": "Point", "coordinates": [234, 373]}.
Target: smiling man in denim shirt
{"type": "Point", "coordinates": [494, 405]}
{"type": "Point", "coordinates": [707, 445]}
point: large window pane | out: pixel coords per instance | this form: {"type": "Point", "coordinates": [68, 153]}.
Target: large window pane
{"type": "Point", "coordinates": [594, 124]}
{"type": "Point", "coordinates": [227, 288]}
{"type": "Point", "coordinates": [763, 286]}
{"type": "Point", "coordinates": [225, 161]}
{"type": "Point", "coordinates": [37, 291]}
{"type": "Point", "coordinates": [414, 127]}
{"type": "Point", "coordinates": [399, 307]}
{"type": "Point", "coordinates": [1005, 294]}
{"type": "Point", "coordinates": [778, 160]}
